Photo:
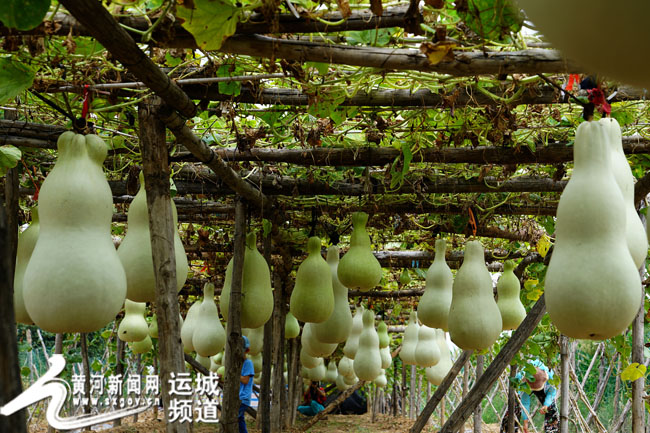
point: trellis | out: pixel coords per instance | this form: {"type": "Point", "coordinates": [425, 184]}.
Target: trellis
{"type": "Point", "coordinates": [173, 103]}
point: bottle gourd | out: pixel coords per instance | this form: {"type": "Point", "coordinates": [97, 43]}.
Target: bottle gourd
{"type": "Point", "coordinates": [74, 281]}
{"type": "Point", "coordinates": [208, 337]}
{"type": "Point", "coordinates": [359, 268]}
{"type": "Point", "coordinates": [592, 289]}
{"type": "Point", "coordinates": [510, 306]}
{"type": "Point", "coordinates": [433, 308]}
{"type": "Point", "coordinates": [312, 299]}
{"type": "Point", "coordinates": [256, 290]}
{"type": "Point", "coordinates": [474, 317]}
{"type": "Point", "coordinates": [427, 352]}
{"type": "Point", "coordinates": [188, 326]}
{"type": "Point", "coordinates": [337, 327]}
{"type": "Point", "coordinates": [410, 340]}
{"type": "Point", "coordinates": [133, 326]}
{"type": "Point", "coordinates": [367, 360]}
{"type": "Point", "coordinates": [26, 243]}
{"type": "Point", "coordinates": [438, 372]}
{"type": "Point", "coordinates": [291, 326]}
{"type": "Point", "coordinates": [352, 343]}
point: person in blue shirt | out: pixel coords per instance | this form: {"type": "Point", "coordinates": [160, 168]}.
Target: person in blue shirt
{"type": "Point", "coordinates": [245, 385]}
{"type": "Point", "coordinates": [545, 393]}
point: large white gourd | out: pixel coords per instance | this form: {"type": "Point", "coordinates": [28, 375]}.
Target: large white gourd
{"type": "Point", "coordinates": [367, 360]}
{"type": "Point", "coordinates": [318, 373]}
{"type": "Point", "coordinates": [474, 317]}
{"type": "Point", "coordinates": [437, 373]}
{"type": "Point", "coordinates": [332, 372]}
{"type": "Point", "coordinates": [187, 329]}
{"type": "Point", "coordinates": [312, 299]}
{"type": "Point", "coordinates": [208, 337]}
{"type": "Point", "coordinates": [345, 367]}
{"type": "Point", "coordinates": [337, 327]}
{"type": "Point", "coordinates": [74, 281]}
{"type": "Point", "coordinates": [203, 360]}
{"type": "Point", "coordinates": [433, 308]}
{"type": "Point", "coordinates": [133, 326]}
{"type": "Point", "coordinates": [307, 360]}
{"type": "Point", "coordinates": [592, 287]}
{"type": "Point", "coordinates": [352, 343]}
{"type": "Point", "coordinates": [386, 357]}
{"type": "Point", "coordinates": [256, 290]}
{"type": "Point", "coordinates": [427, 352]}
{"type": "Point", "coordinates": [359, 268]}
{"type": "Point", "coordinates": [135, 251]}
{"type": "Point", "coordinates": [611, 49]}
{"type": "Point", "coordinates": [255, 338]}
{"type": "Point", "coordinates": [312, 345]}
{"type": "Point", "coordinates": [635, 234]}
{"type": "Point", "coordinates": [350, 380]}
{"type": "Point", "coordinates": [410, 340]}
{"type": "Point", "coordinates": [257, 362]}
{"type": "Point", "coordinates": [510, 306]}
{"type": "Point", "coordinates": [340, 383]}
{"type": "Point", "coordinates": [26, 243]}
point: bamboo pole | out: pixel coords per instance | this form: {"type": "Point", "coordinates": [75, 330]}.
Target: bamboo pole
{"type": "Point", "coordinates": [638, 386]}
{"type": "Point", "coordinates": [564, 386]}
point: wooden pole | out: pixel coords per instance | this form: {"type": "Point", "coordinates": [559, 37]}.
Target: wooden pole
{"type": "Point", "coordinates": [564, 385]}
{"type": "Point", "coordinates": [395, 385]}
{"type": "Point", "coordinates": [9, 366]}
{"type": "Point", "coordinates": [234, 349]}
{"type": "Point", "coordinates": [86, 371]}
{"type": "Point", "coordinates": [638, 386]}
{"type": "Point", "coordinates": [512, 398]}
{"type": "Point", "coordinates": [119, 371]}
{"type": "Point", "coordinates": [478, 412]}
{"type": "Point", "coordinates": [412, 392]}
{"type": "Point", "coordinates": [264, 408]}
{"type": "Point", "coordinates": [495, 369]}
{"type": "Point", "coordinates": [465, 385]}
{"type": "Point", "coordinates": [278, 319]}
{"type": "Point", "coordinates": [155, 160]}
{"type": "Point", "coordinates": [403, 395]}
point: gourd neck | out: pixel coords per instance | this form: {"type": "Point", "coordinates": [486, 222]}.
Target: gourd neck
{"type": "Point", "coordinates": [368, 318]}
{"type": "Point", "coordinates": [333, 255]}
{"type": "Point", "coordinates": [591, 150]}
{"type": "Point", "coordinates": [508, 266]}
{"type": "Point", "coordinates": [208, 291]}
{"type": "Point", "coordinates": [413, 319]}
{"type": "Point", "coordinates": [313, 245]}
{"type": "Point", "coordinates": [613, 134]}
{"type": "Point", "coordinates": [441, 249]}
{"type": "Point", "coordinates": [134, 308]}
{"type": "Point", "coordinates": [35, 215]}
{"type": "Point", "coordinates": [251, 240]}
{"type": "Point", "coordinates": [359, 237]}
{"type": "Point", "coordinates": [474, 252]}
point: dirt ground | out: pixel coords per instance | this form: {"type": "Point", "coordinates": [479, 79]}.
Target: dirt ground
{"type": "Point", "coordinates": [332, 424]}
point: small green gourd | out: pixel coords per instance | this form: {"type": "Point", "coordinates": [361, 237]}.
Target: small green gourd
{"type": "Point", "coordinates": [381, 380]}
{"type": "Point", "coordinates": [26, 243]}
{"type": "Point", "coordinates": [143, 346]}
{"type": "Point", "coordinates": [332, 372]}
{"type": "Point", "coordinates": [255, 338]}
{"type": "Point", "coordinates": [133, 326]}
{"type": "Point", "coordinates": [74, 281]}
{"type": "Point", "coordinates": [257, 362]}
{"type": "Point", "coordinates": [187, 329]}
{"type": "Point", "coordinates": [510, 306]}
{"type": "Point", "coordinates": [433, 308]}
{"type": "Point", "coordinates": [345, 366]}
{"type": "Point", "coordinates": [352, 343]}
{"type": "Point", "coordinates": [386, 357]}
{"type": "Point", "coordinates": [592, 287]}
{"type": "Point", "coordinates": [427, 352]}
{"type": "Point", "coordinates": [337, 327]}
{"type": "Point", "coordinates": [153, 327]}
{"type": "Point", "coordinates": [382, 332]}
{"type": "Point", "coordinates": [367, 360]}
{"type": "Point", "coordinates": [209, 337]}
{"type": "Point", "coordinates": [312, 345]}
{"type": "Point", "coordinates": [410, 340]}
{"type": "Point", "coordinates": [312, 299]}
{"type": "Point", "coordinates": [359, 268]}
{"type": "Point", "coordinates": [436, 374]}
{"type": "Point", "coordinates": [135, 251]}
{"type": "Point", "coordinates": [256, 292]}
{"type": "Point", "coordinates": [474, 318]}
{"type": "Point", "coordinates": [291, 326]}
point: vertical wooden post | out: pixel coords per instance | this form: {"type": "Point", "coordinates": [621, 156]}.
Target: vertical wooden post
{"type": "Point", "coordinates": [119, 371]}
{"type": "Point", "coordinates": [86, 370]}
{"type": "Point", "coordinates": [478, 412]}
{"type": "Point", "coordinates": [234, 348]}
{"type": "Point", "coordinates": [264, 409]}
{"type": "Point", "coordinates": [564, 385]}
{"type": "Point", "coordinates": [465, 385]}
{"type": "Point", "coordinates": [403, 389]}
{"type": "Point", "coordinates": [412, 392]}
{"type": "Point", "coordinates": [155, 160]}
{"type": "Point", "coordinates": [512, 397]}
{"type": "Point", "coordinates": [9, 366]}
{"type": "Point", "coordinates": [278, 318]}
{"type": "Point", "coordinates": [394, 402]}
{"type": "Point", "coordinates": [638, 386]}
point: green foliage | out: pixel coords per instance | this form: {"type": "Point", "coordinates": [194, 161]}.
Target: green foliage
{"type": "Point", "coordinates": [229, 87]}
{"type": "Point", "coordinates": [9, 157]}
{"type": "Point", "coordinates": [211, 22]}
{"type": "Point", "coordinates": [23, 14]}
{"type": "Point", "coordinates": [14, 78]}
{"type": "Point", "coordinates": [491, 19]}
{"type": "Point", "coordinates": [375, 37]}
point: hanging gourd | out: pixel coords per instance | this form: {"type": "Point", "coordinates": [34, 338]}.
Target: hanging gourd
{"type": "Point", "coordinates": [312, 299]}
{"type": "Point", "coordinates": [133, 326]}
{"type": "Point", "coordinates": [257, 362]}
{"type": "Point", "coordinates": [332, 372]}
{"type": "Point", "coordinates": [318, 373]}
{"type": "Point", "coordinates": [203, 360]}
{"type": "Point", "coordinates": [337, 327]}
{"type": "Point", "coordinates": [350, 380]}
{"type": "Point", "coordinates": [386, 357]}
{"type": "Point", "coordinates": [359, 268]}
{"type": "Point", "coordinates": [438, 372]}
{"type": "Point", "coordinates": [427, 352]}
{"type": "Point", "coordinates": [381, 380]}
{"type": "Point", "coordinates": [510, 306]}
{"type": "Point", "coordinates": [340, 383]}
{"type": "Point", "coordinates": [142, 346]}
{"type": "Point", "coordinates": [592, 285]}
{"type": "Point", "coordinates": [345, 367]}
{"type": "Point", "coordinates": [307, 360]}
{"type": "Point", "coordinates": [208, 337]}
{"type": "Point", "coordinates": [74, 281]}
{"type": "Point", "coordinates": [433, 308]}
{"type": "Point", "coordinates": [367, 360]}
{"type": "Point", "coordinates": [635, 234]}
{"type": "Point", "coordinates": [352, 343]}
{"type": "Point", "coordinates": [153, 327]}
{"type": "Point", "coordinates": [256, 290]}
{"type": "Point", "coordinates": [291, 326]}
{"type": "Point", "coordinates": [189, 324]}
{"type": "Point", "coordinates": [135, 251]}
{"type": "Point", "coordinates": [255, 338]}
{"type": "Point", "coordinates": [474, 317]}
{"type": "Point", "coordinates": [26, 243]}
{"type": "Point", "coordinates": [382, 332]}
{"type": "Point", "coordinates": [312, 345]}
{"type": "Point", "coordinates": [214, 367]}
{"type": "Point", "coordinates": [410, 340]}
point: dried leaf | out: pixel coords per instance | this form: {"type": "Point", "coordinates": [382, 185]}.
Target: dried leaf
{"type": "Point", "coordinates": [437, 52]}
{"type": "Point", "coordinates": [376, 7]}
{"type": "Point", "coordinates": [344, 7]}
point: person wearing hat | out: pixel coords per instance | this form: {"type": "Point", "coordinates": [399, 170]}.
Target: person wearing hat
{"type": "Point", "coordinates": [245, 385]}
{"type": "Point", "coordinates": [545, 393]}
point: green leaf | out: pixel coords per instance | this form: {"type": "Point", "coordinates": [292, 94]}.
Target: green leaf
{"type": "Point", "coordinates": [229, 87]}
{"type": "Point", "coordinates": [9, 157]}
{"type": "Point", "coordinates": [491, 19]}
{"type": "Point", "coordinates": [211, 22]}
{"type": "Point", "coordinates": [266, 227]}
{"type": "Point", "coordinates": [633, 372]}
{"type": "Point", "coordinates": [96, 365]}
{"type": "Point", "coordinates": [322, 68]}
{"type": "Point", "coordinates": [25, 371]}
{"type": "Point", "coordinates": [408, 156]}
{"type": "Point", "coordinates": [14, 78]}
{"type": "Point", "coordinates": [23, 14]}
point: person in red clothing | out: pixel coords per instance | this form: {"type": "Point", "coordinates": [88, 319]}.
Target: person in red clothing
{"type": "Point", "coordinates": [314, 398]}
